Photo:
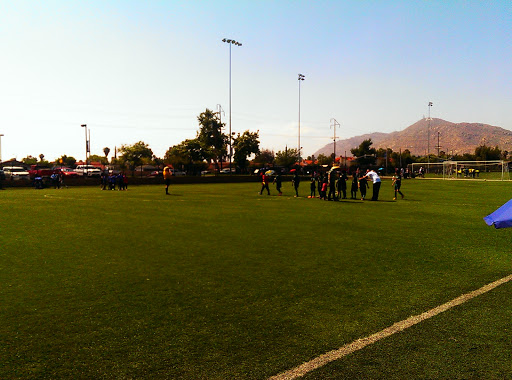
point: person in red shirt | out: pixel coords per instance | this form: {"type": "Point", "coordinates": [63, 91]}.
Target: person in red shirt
{"type": "Point", "coordinates": [264, 184]}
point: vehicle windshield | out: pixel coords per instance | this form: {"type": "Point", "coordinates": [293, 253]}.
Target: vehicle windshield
{"type": "Point", "coordinates": [17, 170]}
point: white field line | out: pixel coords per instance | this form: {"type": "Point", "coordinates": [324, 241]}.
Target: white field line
{"type": "Point", "coordinates": [333, 355]}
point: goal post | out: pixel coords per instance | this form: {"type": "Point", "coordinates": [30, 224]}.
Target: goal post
{"type": "Point", "coordinates": [465, 170]}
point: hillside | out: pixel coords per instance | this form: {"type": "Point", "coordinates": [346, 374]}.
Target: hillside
{"type": "Point", "coordinates": [458, 138]}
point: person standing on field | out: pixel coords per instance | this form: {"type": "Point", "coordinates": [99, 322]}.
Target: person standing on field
{"type": "Point", "coordinates": [370, 174]}
{"type": "Point", "coordinates": [167, 178]}
{"type": "Point", "coordinates": [312, 187]}
{"type": "Point", "coordinates": [341, 185]}
{"type": "Point", "coordinates": [332, 185]}
{"type": "Point", "coordinates": [278, 181]}
{"type": "Point", "coordinates": [296, 182]}
{"type": "Point", "coordinates": [264, 184]}
{"type": "Point", "coordinates": [397, 183]}
{"type": "Point", "coordinates": [355, 184]}
{"type": "Point", "coordinates": [363, 185]}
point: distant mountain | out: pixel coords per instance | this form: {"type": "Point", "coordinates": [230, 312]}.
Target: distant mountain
{"type": "Point", "coordinates": [454, 138]}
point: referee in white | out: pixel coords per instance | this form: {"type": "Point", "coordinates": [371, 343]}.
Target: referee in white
{"type": "Point", "coordinates": [370, 174]}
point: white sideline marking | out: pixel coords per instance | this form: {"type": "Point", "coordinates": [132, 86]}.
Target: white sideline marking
{"type": "Point", "coordinates": [333, 355]}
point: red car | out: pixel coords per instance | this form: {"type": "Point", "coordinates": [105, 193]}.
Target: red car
{"type": "Point", "coordinates": [68, 172]}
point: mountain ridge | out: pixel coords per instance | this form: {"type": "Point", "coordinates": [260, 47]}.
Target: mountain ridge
{"type": "Point", "coordinates": [454, 138]}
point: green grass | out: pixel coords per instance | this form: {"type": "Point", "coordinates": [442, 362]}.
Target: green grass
{"type": "Point", "coordinates": [217, 282]}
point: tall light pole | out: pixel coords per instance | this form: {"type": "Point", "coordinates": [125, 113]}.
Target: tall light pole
{"type": "Point", "coordinates": [300, 78]}
{"type": "Point", "coordinates": [428, 133]}
{"type": "Point", "coordinates": [86, 143]}
{"type": "Point", "coordinates": [236, 43]}
{"type": "Point", "coordinates": [334, 124]}
{"type": "Point", "coordinates": [1, 135]}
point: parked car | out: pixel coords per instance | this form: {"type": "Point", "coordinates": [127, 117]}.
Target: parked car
{"type": "Point", "coordinates": [156, 173]}
{"type": "Point", "coordinates": [16, 172]}
{"type": "Point", "coordinates": [177, 172]}
{"type": "Point", "coordinates": [88, 170]}
{"type": "Point", "coordinates": [227, 171]}
{"type": "Point", "coordinates": [68, 172]}
{"type": "Point", "coordinates": [40, 171]}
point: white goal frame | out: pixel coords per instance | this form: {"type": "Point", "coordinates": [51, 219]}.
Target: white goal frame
{"type": "Point", "coordinates": [497, 170]}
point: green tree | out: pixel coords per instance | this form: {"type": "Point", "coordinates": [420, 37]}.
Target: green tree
{"type": "Point", "coordinates": [245, 144]}
{"type": "Point", "coordinates": [135, 155]}
{"type": "Point", "coordinates": [98, 158]}
{"type": "Point", "coordinates": [324, 160]}
{"type": "Point", "coordinates": [364, 154]}
{"type": "Point", "coordinates": [486, 153]}
{"type": "Point", "coordinates": [213, 141]}
{"type": "Point", "coordinates": [287, 158]}
{"type": "Point", "coordinates": [29, 160]}
{"type": "Point", "coordinates": [187, 155]}
{"type": "Point", "coordinates": [65, 161]}
{"type": "Point", "coordinates": [106, 151]}
{"type": "Point", "coordinates": [265, 157]}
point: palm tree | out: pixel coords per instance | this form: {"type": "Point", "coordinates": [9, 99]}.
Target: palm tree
{"type": "Point", "coordinates": [106, 151]}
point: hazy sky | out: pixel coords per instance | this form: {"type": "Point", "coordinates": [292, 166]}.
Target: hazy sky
{"type": "Point", "coordinates": [144, 70]}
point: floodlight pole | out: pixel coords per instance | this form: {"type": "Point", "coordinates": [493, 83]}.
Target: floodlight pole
{"type": "Point", "coordinates": [334, 124]}
{"type": "Point", "coordinates": [300, 78]}
{"type": "Point", "coordinates": [236, 43]}
{"type": "Point", "coordinates": [86, 143]}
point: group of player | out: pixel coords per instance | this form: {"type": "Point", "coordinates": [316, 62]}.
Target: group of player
{"type": "Point", "coordinates": [110, 182]}
{"type": "Point", "coordinates": [332, 185]}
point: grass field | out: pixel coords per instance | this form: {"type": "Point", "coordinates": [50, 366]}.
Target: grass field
{"type": "Point", "coordinates": [217, 282]}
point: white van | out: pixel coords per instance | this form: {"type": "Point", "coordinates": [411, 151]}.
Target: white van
{"type": "Point", "coordinates": [88, 170]}
{"type": "Point", "coordinates": [16, 172]}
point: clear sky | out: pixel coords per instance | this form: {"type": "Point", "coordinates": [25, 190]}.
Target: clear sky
{"type": "Point", "coordinates": [144, 70]}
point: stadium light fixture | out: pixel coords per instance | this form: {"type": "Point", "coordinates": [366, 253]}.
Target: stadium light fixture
{"type": "Point", "coordinates": [236, 43]}
{"type": "Point", "coordinates": [300, 79]}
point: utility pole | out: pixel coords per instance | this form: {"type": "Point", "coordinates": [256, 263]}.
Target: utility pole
{"type": "Point", "coordinates": [334, 124]}
{"type": "Point", "coordinates": [428, 135]}
{"type": "Point", "coordinates": [438, 146]}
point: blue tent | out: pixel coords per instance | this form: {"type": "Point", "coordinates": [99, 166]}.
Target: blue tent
{"type": "Point", "coordinates": [502, 217]}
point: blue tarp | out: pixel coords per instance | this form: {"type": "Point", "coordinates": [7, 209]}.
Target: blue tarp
{"type": "Point", "coordinates": [502, 217]}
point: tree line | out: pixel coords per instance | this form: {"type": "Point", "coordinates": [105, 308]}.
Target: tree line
{"type": "Point", "coordinates": [211, 146]}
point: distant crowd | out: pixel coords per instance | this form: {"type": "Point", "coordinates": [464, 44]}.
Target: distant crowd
{"type": "Point", "coordinates": [333, 185]}
{"type": "Point", "coordinates": [113, 181]}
